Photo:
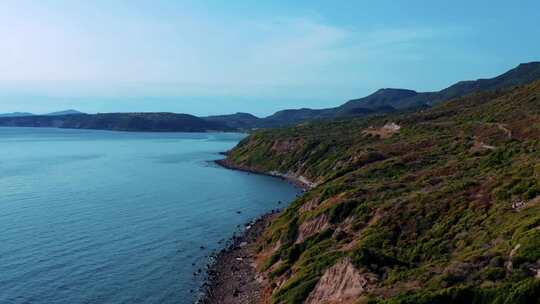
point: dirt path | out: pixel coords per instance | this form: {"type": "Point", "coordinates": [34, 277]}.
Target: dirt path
{"type": "Point", "coordinates": [506, 131]}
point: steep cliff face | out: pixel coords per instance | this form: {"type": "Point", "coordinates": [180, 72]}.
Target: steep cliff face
{"type": "Point", "coordinates": [431, 210]}
{"type": "Point", "coordinates": [342, 283]}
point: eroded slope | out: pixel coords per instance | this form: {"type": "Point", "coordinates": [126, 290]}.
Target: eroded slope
{"type": "Point", "coordinates": [439, 206]}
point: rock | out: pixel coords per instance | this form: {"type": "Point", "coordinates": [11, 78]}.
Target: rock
{"type": "Point", "coordinates": [311, 227]}
{"type": "Point", "coordinates": [342, 283]}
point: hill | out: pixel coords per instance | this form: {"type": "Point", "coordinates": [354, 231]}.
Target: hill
{"type": "Point", "coordinates": [391, 100]}
{"type": "Point", "coordinates": [383, 101]}
{"type": "Point", "coordinates": [66, 112]}
{"type": "Point", "coordinates": [150, 122]}
{"type": "Point", "coordinates": [59, 113]}
{"type": "Point", "coordinates": [382, 98]}
{"type": "Point", "coordinates": [16, 114]}
{"type": "Point", "coordinates": [240, 121]}
{"type": "Point", "coordinates": [436, 206]}
{"type": "Point", "coordinates": [523, 74]}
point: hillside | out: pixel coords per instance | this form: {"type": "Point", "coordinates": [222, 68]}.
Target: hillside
{"type": "Point", "coordinates": [66, 112]}
{"type": "Point", "coordinates": [240, 121]}
{"type": "Point", "coordinates": [437, 206]}
{"type": "Point", "coordinates": [523, 74]}
{"type": "Point", "coordinates": [59, 113]}
{"type": "Point", "coordinates": [16, 114]}
{"type": "Point", "coordinates": [382, 98]}
{"type": "Point", "coordinates": [150, 122]}
{"type": "Point", "coordinates": [390, 100]}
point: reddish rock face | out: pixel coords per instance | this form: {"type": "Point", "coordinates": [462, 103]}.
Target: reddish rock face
{"type": "Point", "coordinates": [312, 227]}
{"type": "Point", "coordinates": [341, 283]}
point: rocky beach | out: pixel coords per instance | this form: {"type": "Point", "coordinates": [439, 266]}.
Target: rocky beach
{"type": "Point", "coordinates": [232, 277]}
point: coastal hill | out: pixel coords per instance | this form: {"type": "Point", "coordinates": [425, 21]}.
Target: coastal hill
{"type": "Point", "coordinates": [149, 122]}
{"type": "Point", "coordinates": [436, 206]}
{"type": "Point", "coordinates": [383, 101]}
{"type": "Point", "coordinates": [66, 112]}
{"type": "Point", "coordinates": [390, 100]}
{"type": "Point", "coordinates": [59, 113]}
{"type": "Point", "coordinates": [16, 114]}
{"type": "Point", "coordinates": [240, 121]}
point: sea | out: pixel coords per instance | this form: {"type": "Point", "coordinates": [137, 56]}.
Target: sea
{"type": "Point", "coordinates": [115, 217]}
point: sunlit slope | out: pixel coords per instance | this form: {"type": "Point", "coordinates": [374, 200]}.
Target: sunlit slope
{"type": "Point", "coordinates": [438, 206]}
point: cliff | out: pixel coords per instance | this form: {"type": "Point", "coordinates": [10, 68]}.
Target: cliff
{"type": "Point", "coordinates": [437, 206]}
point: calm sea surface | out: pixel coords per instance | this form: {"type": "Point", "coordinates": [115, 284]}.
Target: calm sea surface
{"type": "Point", "coordinates": [111, 217]}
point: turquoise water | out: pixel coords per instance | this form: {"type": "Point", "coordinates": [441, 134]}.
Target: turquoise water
{"type": "Point", "coordinates": [111, 217]}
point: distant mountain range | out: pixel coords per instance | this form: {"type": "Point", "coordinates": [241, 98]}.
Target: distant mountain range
{"type": "Point", "coordinates": [389, 100]}
{"type": "Point", "coordinates": [149, 122]}
{"type": "Point", "coordinates": [66, 112]}
{"type": "Point", "coordinates": [16, 114]}
{"type": "Point", "coordinates": [383, 101]}
{"type": "Point", "coordinates": [23, 114]}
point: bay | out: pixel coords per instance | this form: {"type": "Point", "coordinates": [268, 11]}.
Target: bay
{"type": "Point", "coordinates": [113, 217]}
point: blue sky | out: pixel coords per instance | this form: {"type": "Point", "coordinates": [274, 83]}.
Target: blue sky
{"type": "Point", "coordinates": [213, 57]}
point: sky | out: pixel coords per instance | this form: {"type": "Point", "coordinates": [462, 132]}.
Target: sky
{"type": "Point", "coordinates": [216, 57]}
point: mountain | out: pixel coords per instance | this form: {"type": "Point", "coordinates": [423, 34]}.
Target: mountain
{"type": "Point", "coordinates": [239, 121]}
{"type": "Point", "coordinates": [287, 117]}
{"type": "Point", "coordinates": [66, 112]}
{"type": "Point", "coordinates": [383, 101]}
{"type": "Point", "coordinates": [381, 98]}
{"type": "Point", "coordinates": [150, 122]}
{"type": "Point", "coordinates": [390, 100]}
{"type": "Point", "coordinates": [523, 74]}
{"type": "Point", "coordinates": [16, 114]}
{"type": "Point", "coordinates": [434, 206]}
{"type": "Point", "coordinates": [60, 113]}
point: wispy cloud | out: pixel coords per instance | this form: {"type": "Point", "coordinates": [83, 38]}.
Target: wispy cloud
{"type": "Point", "coordinates": [91, 51]}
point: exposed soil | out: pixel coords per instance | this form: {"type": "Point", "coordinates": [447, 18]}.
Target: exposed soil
{"type": "Point", "coordinates": [383, 132]}
{"type": "Point", "coordinates": [342, 283]}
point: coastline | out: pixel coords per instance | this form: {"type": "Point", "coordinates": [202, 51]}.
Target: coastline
{"type": "Point", "coordinates": [301, 182]}
{"type": "Point", "coordinates": [232, 278]}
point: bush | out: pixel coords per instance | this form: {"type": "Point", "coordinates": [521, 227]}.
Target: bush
{"type": "Point", "coordinates": [340, 212]}
{"type": "Point", "coordinates": [529, 251]}
{"type": "Point", "coordinates": [525, 292]}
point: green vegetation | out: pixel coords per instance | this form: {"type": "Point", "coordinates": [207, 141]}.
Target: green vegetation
{"type": "Point", "coordinates": [445, 210]}
{"type": "Point", "coordinates": [523, 292]}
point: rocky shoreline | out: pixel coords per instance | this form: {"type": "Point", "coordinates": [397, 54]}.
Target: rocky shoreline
{"type": "Point", "coordinates": [301, 183]}
{"type": "Point", "coordinates": [232, 278]}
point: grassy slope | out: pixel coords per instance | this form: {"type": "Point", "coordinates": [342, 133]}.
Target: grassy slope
{"type": "Point", "coordinates": [428, 210]}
